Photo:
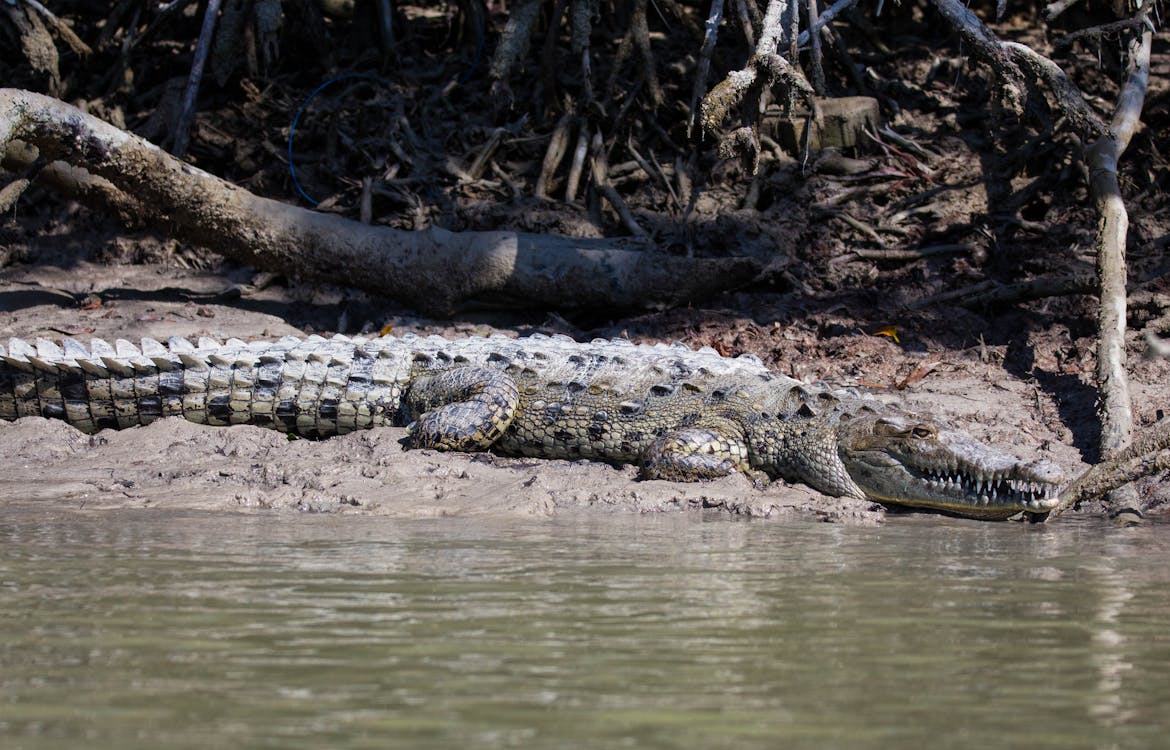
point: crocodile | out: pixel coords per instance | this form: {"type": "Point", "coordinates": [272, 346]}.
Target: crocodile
{"type": "Point", "coordinates": [679, 413]}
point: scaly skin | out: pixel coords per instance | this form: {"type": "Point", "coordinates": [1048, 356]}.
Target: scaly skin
{"type": "Point", "coordinates": [681, 414]}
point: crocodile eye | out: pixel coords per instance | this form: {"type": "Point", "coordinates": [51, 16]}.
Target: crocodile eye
{"type": "Point", "coordinates": [922, 432]}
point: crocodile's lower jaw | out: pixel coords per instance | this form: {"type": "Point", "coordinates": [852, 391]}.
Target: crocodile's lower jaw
{"type": "Point", "coordinates": [888, 481]}
{"type": "Point", "coordinates": [971, 506]}
{"type": "Point", "coordinates": [990, 497]}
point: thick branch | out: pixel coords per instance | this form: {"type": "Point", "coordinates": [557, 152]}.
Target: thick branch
{"type": "Point", "coordinates": [1148, 454]}
{"type": "Point", "coordinates": [1112, 228]}
{"type": "Point", "coordinates": [1019, 67]}
{"type": "Point", "coordinates": [434, 270]}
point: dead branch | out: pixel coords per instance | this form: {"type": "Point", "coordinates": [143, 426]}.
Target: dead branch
{"type": "Point", "coordinates": [512, 47]}
{"type": "Point", "coordinates": [703, 68]}
{"type": "Point", "coordinates": [558, 144]}
{"type": "Point", "coordinates": [1020, 68]}
{"type": "Point", "coordinates": [433, 269]}
{"type": "Point", "coordinates": [764, 70]}
{"type": "Point", "coordinates": [1112, 228]}
{"type": "Point", "coordinates": [986, 293]}
{"type": "Point", "coordinates": [600, 168]}
{"type": "Point", "coordinates": [182, 125]}
{"type": "Point", "coordinates": [1097, 33]}
{"type": "Point", "coordinates": [1148, 454]}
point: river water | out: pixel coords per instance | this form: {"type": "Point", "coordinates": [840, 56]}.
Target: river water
{"type": "Point", "coordinates": [152, 629]}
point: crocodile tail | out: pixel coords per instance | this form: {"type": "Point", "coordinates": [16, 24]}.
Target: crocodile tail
{"type": "Point", "coordinates": [314, 386]}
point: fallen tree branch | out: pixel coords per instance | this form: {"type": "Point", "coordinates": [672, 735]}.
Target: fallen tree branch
{"type": "Point", "coordinates": [1148, 454]}
{"type": "Point", "coordinates": [434, 270]}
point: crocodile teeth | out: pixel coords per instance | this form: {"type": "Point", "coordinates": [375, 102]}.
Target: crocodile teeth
{"type": "Point", "coordinates": [206, 343]}
{"type": "Point", "coordinates": [74, 349]}
{"type": "Point", "coordinates": [125, 349]}
{"type": "Point", "coordinates": [19, 349]}
{"type": "Point", "coordinates": [177, 344]}
{"type": "Point", "coordinates": [152, 348]}
{"type": "Point", "coordinates": [99, 348]}
{"type": "Point", "coordinates": [48, 350]}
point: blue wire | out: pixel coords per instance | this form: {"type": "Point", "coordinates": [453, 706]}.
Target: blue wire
{"type": "Point", "coordinates": [292, 170]}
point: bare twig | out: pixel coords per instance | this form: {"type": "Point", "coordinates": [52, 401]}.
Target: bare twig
{"type": "Point", "coordinates": [578, 164]}
{"type": "Point", "coordinates": [62, 28]}
{"type": "Point", "coordinates": [910, 255]}
{"type": "Point", "coordinates": [1096, 33]}
{"type": "Point", "coordinates": [600, 165]}
{"type": "Point", "coordinates": [710, 35]}
{"type": "Point", "coordinates": [993, 293]}
{"type": "Point", "coordinates": [558, 145]}
{"type": "Point", "coordinates": [640, 31]}
{"type": "Point", "coordinates": [814, 52]}
{"type": "Point", "coordinates": [824, 19]}
{"type": "Point", "coordinates": [182, 126]}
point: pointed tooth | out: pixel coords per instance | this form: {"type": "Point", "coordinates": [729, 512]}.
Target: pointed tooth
{"type": "Point", "coordinates": [152, 348]}
{"type": "Point", "coordinates": [207, 343]}
{"type": "Point", "coordinates": [74, 349]}
{"type": "Point", "coordinates": [178, 344]}
{"type": "Point", "coordinates": [19, 348]}
{"type": "Point", "coordinates": [220, 360]}
{"type": "Point", "coordinates": [48, 350]}
{"type": "Point", "coordinates": [125, 349]}
{"type": "Point", "coordinates": [236, 343]}
{"type": "Point", "coordinates": [99, 348]}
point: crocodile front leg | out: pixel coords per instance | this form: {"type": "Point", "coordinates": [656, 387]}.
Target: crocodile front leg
{"type": "Point", "coordinates": [462, 409]}
{"type": "Point", "coordinates": [713, 448]}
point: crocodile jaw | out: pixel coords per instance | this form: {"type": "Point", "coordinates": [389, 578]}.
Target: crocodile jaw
{"type": "Point", "coordinates": [908, 460]}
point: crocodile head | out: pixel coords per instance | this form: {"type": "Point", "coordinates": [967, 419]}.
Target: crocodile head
{"type": "Point", "coordinates": [912, 460]}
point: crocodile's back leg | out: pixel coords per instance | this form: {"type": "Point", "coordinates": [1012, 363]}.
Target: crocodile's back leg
{"type": "Point", "coordinates": [713, 448]}
{"type": "Point", "coordinates": [461, 409]}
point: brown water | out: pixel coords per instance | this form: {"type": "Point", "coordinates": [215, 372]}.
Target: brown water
{"type": "Point", "coordinates": [145, 630]}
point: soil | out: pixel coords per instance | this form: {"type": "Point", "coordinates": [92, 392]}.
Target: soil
{"type": "Point", "coordinates": [1005, 205]}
